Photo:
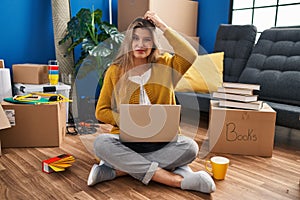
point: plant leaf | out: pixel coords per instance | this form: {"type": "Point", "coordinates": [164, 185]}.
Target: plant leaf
{"type": "Point", "coordinates": [100, 50]}
{"type": "Point", "coordinates": [99, 40]}
{"type": "Point", "coordinates": [87, 45]}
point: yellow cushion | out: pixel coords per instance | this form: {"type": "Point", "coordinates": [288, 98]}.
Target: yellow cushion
{"type": "Point", "coordinates": [204, 76]}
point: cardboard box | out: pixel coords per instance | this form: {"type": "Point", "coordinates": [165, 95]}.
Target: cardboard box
{"type": "Point", "coordinates": [181, 15]}
{"type": "Point", "coordinates": [60, 88]}
{"type": "Point", "coordinates": [238, 131]}
{"type": "Point", "coordinates": [30, 73]}
{"type": "Point", "coordinates": [42, 125]}
{"type": "Point", "coordinates": [166, 47]}
{"type": "Point", "coordinates": [2, 63]}
{"type": "Point", "coordinates": [4, 123]}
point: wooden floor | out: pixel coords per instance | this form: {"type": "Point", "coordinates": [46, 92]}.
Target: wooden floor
{"type": "Point", "coordinates": [248, 177]}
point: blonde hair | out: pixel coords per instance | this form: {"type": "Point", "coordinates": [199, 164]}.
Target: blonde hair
{"type": "Point", "coordinates": [124, 58]}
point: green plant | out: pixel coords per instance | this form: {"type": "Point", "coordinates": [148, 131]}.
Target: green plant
{"type": "Point", "coordinates": [97, 38]}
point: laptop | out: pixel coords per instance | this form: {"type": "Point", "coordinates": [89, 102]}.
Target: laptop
{"type": "Point", "coordinates": [149, 123]}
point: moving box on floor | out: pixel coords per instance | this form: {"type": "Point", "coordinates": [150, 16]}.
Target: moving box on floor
{"type": "Point", "coordinates": [4, 123]}
{"type": "Point", "coordinates": [42, 125]}
{"type": "Point", "coordinates": [60, 88]}
{"type": "Point", "coordinates": [238, 131]}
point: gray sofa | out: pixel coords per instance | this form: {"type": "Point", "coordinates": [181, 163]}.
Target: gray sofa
{"type": "Point", "coordinates": [273, 63]}
{"type": "Point", "coordinates": [236, 41]}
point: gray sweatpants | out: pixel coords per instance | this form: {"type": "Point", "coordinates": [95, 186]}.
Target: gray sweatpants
{"type": "Point", "coordinates": [142, 166]}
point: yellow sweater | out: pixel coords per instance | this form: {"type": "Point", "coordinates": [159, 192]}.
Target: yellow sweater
{"type": "Point", "coordinates": [165, 74]}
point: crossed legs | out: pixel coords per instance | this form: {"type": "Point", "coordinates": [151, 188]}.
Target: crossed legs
{"type": "Point", "coordinates": [157, 166]}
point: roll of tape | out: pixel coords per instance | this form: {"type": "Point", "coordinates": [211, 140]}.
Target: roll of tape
{"type": "Point", "coordinates": [5, 84]}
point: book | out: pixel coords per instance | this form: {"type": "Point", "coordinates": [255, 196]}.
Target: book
{"type": "Point", "coordinates": [256, 105]}
{"type": "Point", "coordinates": [58, 163]}
{"type": "Point", "coordinates": [235, 97]}
{"type": "Point", "coordinates": [241, 85]}
{"type": "Point", "coordinates": [235, 91]}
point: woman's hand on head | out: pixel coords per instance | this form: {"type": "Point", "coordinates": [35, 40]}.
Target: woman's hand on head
{"type": "Point", "coordinates": [153, 17]}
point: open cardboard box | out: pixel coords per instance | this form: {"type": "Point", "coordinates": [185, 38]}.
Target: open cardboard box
{"type": "Point", "coordinates": [244, 132]}
{"type": "Point", "coordinates": [4, 123]}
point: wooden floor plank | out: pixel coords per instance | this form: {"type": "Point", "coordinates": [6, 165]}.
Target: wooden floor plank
{"type": "Point", "coordinates": [248, 177]}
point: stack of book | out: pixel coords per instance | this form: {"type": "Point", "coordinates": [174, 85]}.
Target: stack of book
{"type": "Point", "coordinates": [238, 95]}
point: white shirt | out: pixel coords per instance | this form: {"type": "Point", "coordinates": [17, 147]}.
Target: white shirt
{"type": "Point", "coordinates": [142, 80]}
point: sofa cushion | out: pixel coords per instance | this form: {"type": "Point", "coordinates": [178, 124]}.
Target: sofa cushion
{"type": "Point", "coordinates": [236, 41]}
{"type": "Point", "coordinates": [275, 65]}
{"type": "Point", "coordinates": [205, 75]}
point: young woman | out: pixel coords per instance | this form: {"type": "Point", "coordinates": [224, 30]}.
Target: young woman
{"type": "Point", "coordinates": [141, 75]}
